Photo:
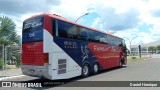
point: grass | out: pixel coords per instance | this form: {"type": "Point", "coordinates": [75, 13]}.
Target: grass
{"type": "Point", "coordinates": [136, 59]}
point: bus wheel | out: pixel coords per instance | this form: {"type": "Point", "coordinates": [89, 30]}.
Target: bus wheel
{"type": "Point", "coordinates": [121, 64]}
{"type": "Point", "coordinates": [95, 68]}
{"type": "Point", "coordinates": [85, 70]}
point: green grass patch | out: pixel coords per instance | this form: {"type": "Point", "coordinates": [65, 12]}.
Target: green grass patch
{"type": "Point", "coordinates": [136, 59]}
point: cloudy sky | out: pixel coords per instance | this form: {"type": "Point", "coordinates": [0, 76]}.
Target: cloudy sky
{"type": "Point", "coordinates": [124, 18]}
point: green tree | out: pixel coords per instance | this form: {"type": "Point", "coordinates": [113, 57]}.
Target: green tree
{"type": "Point", "coordinates": [158, 48]}
{"type": "Point", "coordinates": [152, 48]}
{"type": "Point", "coordinates": [8, 35]}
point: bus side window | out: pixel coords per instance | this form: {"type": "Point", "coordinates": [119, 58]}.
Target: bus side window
{"type": "Point", "coordinates": [92, 36]}
{"type": "Point", "coordinates": [62, 29]}
{"type": "Point", "coordinates": [54, 27]}
{"type": "Point", "coordinates": [110, 40]}
{"type": "Point", "coordinates": [67, 30]}
{"type": "Point", "coordinates": [103, 38]}
{"type": "Point", "coordinates": [72, 31]}
{"type": "Point", "coordinates": [83, 34]}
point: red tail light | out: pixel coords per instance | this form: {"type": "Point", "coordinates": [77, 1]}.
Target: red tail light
{"type": "Point", "coordinates": [46, 59]}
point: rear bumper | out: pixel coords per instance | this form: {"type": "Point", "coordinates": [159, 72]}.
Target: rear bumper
{"type": "Point", "coordinates": [36, 71]}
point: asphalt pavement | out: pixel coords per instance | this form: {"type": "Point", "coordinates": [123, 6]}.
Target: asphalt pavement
{"type": "Point", "coordinates": [147, 70]}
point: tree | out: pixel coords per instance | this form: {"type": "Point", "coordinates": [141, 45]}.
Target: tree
{"type": "Point", "coordinates": [158, 48]}
{"type": "Point", "coordinates": [152, 48]}
{"type": "Point", "coordinates": [8, 35]}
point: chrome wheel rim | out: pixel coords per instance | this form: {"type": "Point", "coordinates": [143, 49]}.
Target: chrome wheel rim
{"type": "Point", "coordinates": [95, 68]}
{"type": "Point", "coordinates": [85, 70]}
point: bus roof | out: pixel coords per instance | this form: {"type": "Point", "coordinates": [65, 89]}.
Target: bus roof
{"type": "Point", "coordinates": [63, 19]}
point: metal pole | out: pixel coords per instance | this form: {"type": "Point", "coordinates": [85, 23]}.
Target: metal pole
{"type": "Point", "coordinates": [81, 16]}
{"type": "Point", "coordinates": [3, 59]}
{"type": "Point", "coordinates": [130, 41]}
{"type": "Point", "coordinates": [130, 47]}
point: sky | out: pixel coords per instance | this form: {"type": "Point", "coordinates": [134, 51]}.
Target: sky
{"type": "Point", "coordinates": [130, 19]}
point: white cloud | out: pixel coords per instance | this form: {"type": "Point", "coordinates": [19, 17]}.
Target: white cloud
{"type": "Point", "coordinates": [21, 7]}
{"type": "Point", "coordinates": [98, 24]}
{"type": "Point", "coordinates": [72, 9]}
{"type": "Point", "coordinates": [144, 8]}
{"type": "Point", "coordinates": [122, 16]}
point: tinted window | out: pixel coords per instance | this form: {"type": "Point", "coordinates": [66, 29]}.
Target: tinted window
{"type": "Point", "coordinates": [102, 37]}
{"type": "Point", "coordinates": [33, 30]}
{"type": "Point", "coordinates": [92, 36]}
{"type": "Point", "coordinates": [67, 30]}
{"type": "Point", "coordinates": [110, 40]}
{"type": "Point", "coordinates": [97, 37]}
{"type": "Point", "coordinates": [114, 41]}
{"type": "Point", "coordinates": [54, 27]}
{"type": "Point", "coordinates": [84, 34]}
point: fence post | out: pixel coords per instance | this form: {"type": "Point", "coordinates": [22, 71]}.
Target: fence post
{"type": "Point", "coordinates": [3, 60]}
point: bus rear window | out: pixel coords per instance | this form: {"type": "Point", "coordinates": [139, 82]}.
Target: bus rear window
{"type": "Point", "coordinates": [32, 30]}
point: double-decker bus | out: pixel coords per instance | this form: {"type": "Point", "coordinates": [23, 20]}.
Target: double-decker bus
{"type": "Point", "coordinates": [56, 48]}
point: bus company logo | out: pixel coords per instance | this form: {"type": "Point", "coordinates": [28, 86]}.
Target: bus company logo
{"type": "Point", "coordinates": [69, 43]}
{"type": "Point", "coordinates": [31, 35]}
{"type": "Point", "coordinates": [32, 24]}
{"type": "Point", "coordinates": [6, 84]}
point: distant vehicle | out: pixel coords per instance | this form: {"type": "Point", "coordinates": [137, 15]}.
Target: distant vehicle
{"type": "Point", "coordinates": [55, 48]}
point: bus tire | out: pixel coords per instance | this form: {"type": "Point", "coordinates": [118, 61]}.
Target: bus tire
{"type": "Point", "coordinates": [95, 68]}
{"type": "Point", "coordinates": [85, 70]}
{"type": "Point", "coordinates": [121, 64]}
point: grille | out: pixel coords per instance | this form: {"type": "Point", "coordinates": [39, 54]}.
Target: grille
{"type": "Point", "coordinates": [62, 65]}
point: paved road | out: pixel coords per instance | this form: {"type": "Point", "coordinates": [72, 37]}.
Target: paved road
{"type": "Point", "coordinates": [148, 70]}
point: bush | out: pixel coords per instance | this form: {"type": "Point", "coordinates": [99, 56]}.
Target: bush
{"type": "Point", "coordinates": [133, 57]}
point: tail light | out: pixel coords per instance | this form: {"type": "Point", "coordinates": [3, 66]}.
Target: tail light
{"type": "Point", "coordinates": [46, 59]}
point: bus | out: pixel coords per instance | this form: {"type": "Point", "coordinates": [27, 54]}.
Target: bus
{"type": "Point", "coordinates": [56, 48]}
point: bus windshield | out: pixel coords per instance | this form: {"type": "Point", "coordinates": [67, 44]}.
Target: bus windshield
{"type": "Point", "coordinates": [33, 30]}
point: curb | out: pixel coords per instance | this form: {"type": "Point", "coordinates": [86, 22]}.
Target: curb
{"type": "Point", "coordinates": [18, 76]}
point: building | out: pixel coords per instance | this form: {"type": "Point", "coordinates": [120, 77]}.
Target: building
{"type": "Point", "coordinates": [144, 47]}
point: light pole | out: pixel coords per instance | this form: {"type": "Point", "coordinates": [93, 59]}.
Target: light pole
{"type": "Point", "coordinates": [81, 16]}
{"type": "Point", "coordinates": [130, 42]}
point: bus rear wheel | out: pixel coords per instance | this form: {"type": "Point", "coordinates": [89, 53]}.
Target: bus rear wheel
{"type": "Point", "coordinates": [95, 68]}
{"type": "Point", "coordinates": [85, 70]}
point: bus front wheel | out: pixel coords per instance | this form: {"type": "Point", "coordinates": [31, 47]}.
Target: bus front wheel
{"type": "Point", "coordinates": [121, 64]}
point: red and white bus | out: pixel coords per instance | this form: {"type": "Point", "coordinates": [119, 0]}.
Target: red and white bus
{"type": "Point", "coordinates": [55, 48]}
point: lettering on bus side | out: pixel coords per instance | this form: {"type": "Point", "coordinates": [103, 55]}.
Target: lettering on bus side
{"type": "Point", "coordinates": [71, 44]}
{"type": "Point", "coordinates": [104, 48]}
{"type": "Point", "coordinates": [115, 49]}
{"type": "Point", "coordinates": [100, 48]}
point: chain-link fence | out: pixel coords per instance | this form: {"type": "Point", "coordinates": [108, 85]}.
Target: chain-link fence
{"type": "Point", "coordinates": [12, 55]}
{"type": "Point", "coordinates": [9, 58]}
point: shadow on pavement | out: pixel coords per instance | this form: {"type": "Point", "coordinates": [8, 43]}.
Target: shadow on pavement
{"type": "Point", "coordinates": [47, 84]}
